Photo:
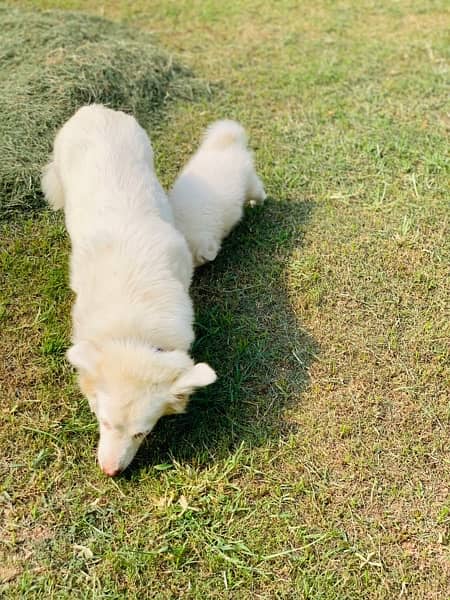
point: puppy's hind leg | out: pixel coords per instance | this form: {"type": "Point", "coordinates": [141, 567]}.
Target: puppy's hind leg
{"type": "Point", "coordinates": [52, 186]}
{"type": "Point", "coordinates": [256, 193]}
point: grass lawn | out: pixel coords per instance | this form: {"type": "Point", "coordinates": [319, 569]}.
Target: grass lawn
{"type": "Point", "coordinates": [318, 466]}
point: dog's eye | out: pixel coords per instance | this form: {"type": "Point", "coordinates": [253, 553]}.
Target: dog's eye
{"type": "Point", "coordinates": [137, 436]}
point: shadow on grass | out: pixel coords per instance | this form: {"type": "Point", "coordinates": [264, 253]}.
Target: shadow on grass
{"type": "Point", "coordinates": [247, 331]}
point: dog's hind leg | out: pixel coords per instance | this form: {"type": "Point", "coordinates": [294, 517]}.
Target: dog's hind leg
{"type": "Point", "coordinates": [255, 191]}
{"type": "Point", "coordinates": [52, 186]}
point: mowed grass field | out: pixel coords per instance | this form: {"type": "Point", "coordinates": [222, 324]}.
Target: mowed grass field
{"type": "Point", "coordinates": [318, 466]}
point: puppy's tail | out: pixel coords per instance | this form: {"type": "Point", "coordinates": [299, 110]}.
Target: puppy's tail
{"type": "Point", "coordinates": [52, 186]}
{"type": "Point", "coordinates": [222, 134]}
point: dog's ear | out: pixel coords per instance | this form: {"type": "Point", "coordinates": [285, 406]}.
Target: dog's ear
{"type": "Point", "coordinates": [84, 356]}
{"type": "Point", "coordinates": [199, 375]}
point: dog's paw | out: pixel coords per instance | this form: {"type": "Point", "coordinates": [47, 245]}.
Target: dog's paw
{"type": "Point", "coordinates": [256, 194]}
{"type": "Point", "coordinates": [206, 252]}
{"type": "Point", "coordinates": [252, 202]}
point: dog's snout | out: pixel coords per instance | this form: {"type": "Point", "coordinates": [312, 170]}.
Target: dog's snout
{"type": "Point", "coordinates": [111, 471]}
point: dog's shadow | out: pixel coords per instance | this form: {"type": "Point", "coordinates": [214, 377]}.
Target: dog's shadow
{"type": "Point", "coordinates": [247, 331]}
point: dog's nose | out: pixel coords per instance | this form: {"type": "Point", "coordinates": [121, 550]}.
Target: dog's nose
{"type": "Point", "coordinates": [110, 471]}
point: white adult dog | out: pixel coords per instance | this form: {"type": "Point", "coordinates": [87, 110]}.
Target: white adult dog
{"type": "Point", "coordinates": [130, 270]}
{"type": "Point", "coordinates": [208, 197]}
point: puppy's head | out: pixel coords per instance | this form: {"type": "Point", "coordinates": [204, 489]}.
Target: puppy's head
{"type": "Point", "coordinates": [129, 386]}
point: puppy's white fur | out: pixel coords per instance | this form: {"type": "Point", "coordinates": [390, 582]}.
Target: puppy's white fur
{"type": "Point", "coordinates": [130, 270]}
{"type": "Point", "coordinates": [208, 197]}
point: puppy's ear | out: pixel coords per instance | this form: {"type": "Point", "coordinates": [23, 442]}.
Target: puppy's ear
{"type": "Point", "coordinates": [199, 375]}
{"type": "Point", "coordinates": [84, 356]}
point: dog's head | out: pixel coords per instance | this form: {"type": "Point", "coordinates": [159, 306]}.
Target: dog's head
{"type": "Point", "coordinates": [129, 386]}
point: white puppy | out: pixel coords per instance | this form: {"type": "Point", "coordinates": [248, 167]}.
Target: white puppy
{"type": "Point", "coordinates": [131, 271]}
{"type": "Point", "coordinates": [209, 195]}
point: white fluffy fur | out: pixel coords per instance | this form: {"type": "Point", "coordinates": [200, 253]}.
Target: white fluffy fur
{"type": "Point", "coordinates": [131, 271]}
{"type": "Point", "coordinates": [208, 197]}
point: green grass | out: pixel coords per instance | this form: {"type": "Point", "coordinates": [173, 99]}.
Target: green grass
{"type": "Point", "coordinates": [317, 466]}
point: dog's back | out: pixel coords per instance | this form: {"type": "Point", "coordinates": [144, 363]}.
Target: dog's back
{"type": "Point", "coordinates": [95, 128]}
{"type": "Point", "coordinates": [208, 197]}
{"type": "Point", "coordinates": [100, 171]}
{"type": "Point", "coordinates": [120, 224]}
{"type": "Point", "coordinates": [225, 163]}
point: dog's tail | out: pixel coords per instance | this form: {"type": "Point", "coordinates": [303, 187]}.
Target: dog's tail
{"type": "Point", "coordinates": [222, 134]}
{"type": "Point", "coordinates": [52, 186]}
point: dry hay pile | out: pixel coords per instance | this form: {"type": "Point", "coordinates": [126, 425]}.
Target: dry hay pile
{"type": "Point", "coordinates": [53, 62]}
